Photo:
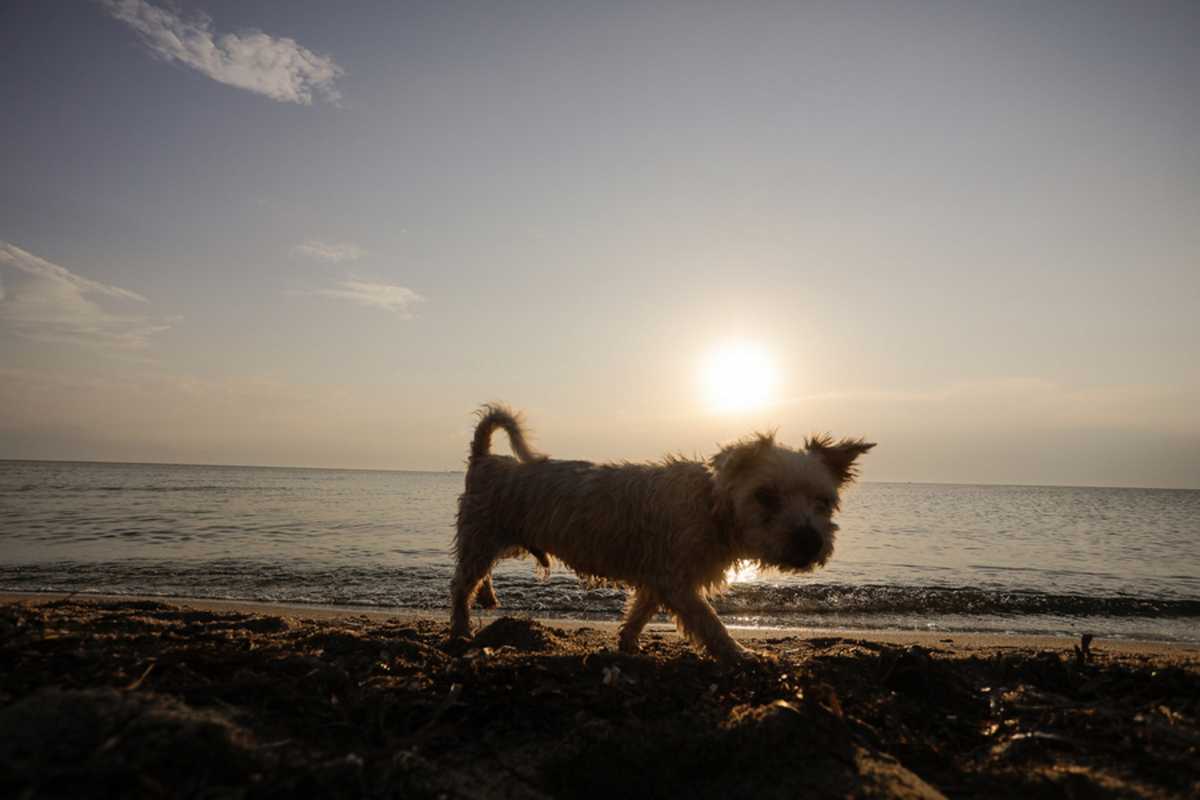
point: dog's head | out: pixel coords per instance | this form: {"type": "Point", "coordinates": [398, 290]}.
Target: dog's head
{"type": "Point", "coordinates": [781, 501]}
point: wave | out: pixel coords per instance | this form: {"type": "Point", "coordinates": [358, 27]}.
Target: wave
{"type": "Point", "coordinates": [427, 588]}
{"type": "Point", "coordinates": [919, 600]}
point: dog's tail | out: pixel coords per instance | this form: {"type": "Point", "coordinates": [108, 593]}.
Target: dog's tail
{"type": "Point", "coordinates": [495, 415]}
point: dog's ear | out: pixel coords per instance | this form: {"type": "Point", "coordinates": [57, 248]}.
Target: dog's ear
{"type": "Point", "coordinates": [744, 453]}
{"type": "Point", "coordinates": [839, 457]}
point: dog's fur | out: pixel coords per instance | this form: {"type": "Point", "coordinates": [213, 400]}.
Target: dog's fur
{"type": "Point", "coordinates": [669, 530]}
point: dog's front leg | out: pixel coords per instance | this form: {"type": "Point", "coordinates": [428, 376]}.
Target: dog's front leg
{"type": "Point", "coordinates": [641, 608]}
{"type": "Point", "coordinates": [700, 622]}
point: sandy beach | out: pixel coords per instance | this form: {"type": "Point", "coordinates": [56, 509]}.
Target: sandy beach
{"type": "Point", "coordinates": [114, 697]}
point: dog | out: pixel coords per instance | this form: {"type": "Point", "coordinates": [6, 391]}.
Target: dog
{"type": "Point", "coordinates": [668, 530]}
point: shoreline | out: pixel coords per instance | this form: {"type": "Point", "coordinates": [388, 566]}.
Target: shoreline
{"type": "Point", "coordinates": [964, 641]}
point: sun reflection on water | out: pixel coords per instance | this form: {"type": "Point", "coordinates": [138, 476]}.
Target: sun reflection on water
{"type": "Point", "coordinates": [742, 572]}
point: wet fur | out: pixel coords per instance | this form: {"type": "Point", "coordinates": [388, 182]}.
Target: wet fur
{"type": "Point", "coordinates": [670, 529]}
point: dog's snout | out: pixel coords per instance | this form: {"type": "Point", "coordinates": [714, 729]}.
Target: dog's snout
{"type": "Point", "coordinates": [807, 542]}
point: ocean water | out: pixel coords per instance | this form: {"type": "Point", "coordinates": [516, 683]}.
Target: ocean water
{"type": "Point", "coordinates": [1113, 562]}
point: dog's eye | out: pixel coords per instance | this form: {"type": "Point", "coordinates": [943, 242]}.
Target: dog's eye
{"type": "Point", "coordinates": [768, 498]}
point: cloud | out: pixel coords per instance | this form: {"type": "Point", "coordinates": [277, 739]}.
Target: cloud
{"type": "Point", "coordinates": [45, 302]}
{"type": "Point", "coordinates": [333, 252]}
{"type": "Point", "coordinates": [384, 296]}
{"type": "Point", "coordinates": [278, 68]}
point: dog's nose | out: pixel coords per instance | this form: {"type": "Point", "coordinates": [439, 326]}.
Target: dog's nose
{"type": "Point", "coordinates": [807, 542]}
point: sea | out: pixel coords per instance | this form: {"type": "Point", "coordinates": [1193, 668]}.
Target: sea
{"type": "Point", "coordinates": [1116, 563]}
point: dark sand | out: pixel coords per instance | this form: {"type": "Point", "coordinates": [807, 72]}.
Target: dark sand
{"type": "Point", "coordinates": [138, 698]}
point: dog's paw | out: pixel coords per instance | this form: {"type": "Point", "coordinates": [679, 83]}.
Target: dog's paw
{"type": "Point", "coordinates": [456, 643]}
{"type": "Point", "coordinates": [763, 658]}
{"type": "Point", "coordinates": [745, 658]}
{"type": "Point", "coordinates": [629, 647]}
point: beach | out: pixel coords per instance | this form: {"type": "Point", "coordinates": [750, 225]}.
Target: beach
{"type": "Point", "coordinates": [103, 696]}
{"type": "Point", "coordinates": [863, 332]}
{"type": "Point", "coordinates": [1118, 563]}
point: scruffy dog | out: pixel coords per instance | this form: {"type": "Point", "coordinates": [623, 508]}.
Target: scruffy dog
{"type": "Point", "coordinates": [669, 530]}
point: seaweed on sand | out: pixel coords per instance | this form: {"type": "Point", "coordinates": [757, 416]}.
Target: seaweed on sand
{"type": "Point", "coordinates": [149, 699]}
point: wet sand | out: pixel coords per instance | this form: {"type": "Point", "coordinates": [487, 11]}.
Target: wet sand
{"type": "Point", "coordinates": [135, 697]}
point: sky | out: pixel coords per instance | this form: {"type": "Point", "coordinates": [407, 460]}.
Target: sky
{"type": "Point", "coordinates": [315, 234]}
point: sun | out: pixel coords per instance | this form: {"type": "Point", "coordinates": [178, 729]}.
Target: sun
{"type": "Point", "coordinates": [738, 377]}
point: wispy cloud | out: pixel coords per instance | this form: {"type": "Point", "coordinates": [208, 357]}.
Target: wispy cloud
{"type": "Point", "coordinates": [333, 252]}
{"type": "Point", "coordinates": [45, 302]}
{"type": "Point", "coordinates": [384, 296]}
{"type": "Point", "coordinates": [278, 68]}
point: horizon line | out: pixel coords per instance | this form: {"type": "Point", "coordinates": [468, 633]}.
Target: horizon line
{"type": "Point", "coordinates": [463, 471]}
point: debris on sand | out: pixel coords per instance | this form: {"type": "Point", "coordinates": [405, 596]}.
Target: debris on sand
{"type": "Point", "coordinates": [525, 635]}
{"type": "Point", "coordinates": [144, 699]}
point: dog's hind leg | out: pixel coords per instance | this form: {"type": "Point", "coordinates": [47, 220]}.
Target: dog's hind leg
{"type": "Point", "coordinates": [476, 555]}
{"type": "Point", "coordinates": [699, 621]}
{"type": "Point", "coordinates": [486, 597]}
{"type": "Point", "coordinates": [642, 607]}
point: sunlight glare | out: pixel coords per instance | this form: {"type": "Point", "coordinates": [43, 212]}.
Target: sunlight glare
{"type": "Point", "coordinates": [742, 572]}
{"type": "Point", "coordinates": [738, 377]}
